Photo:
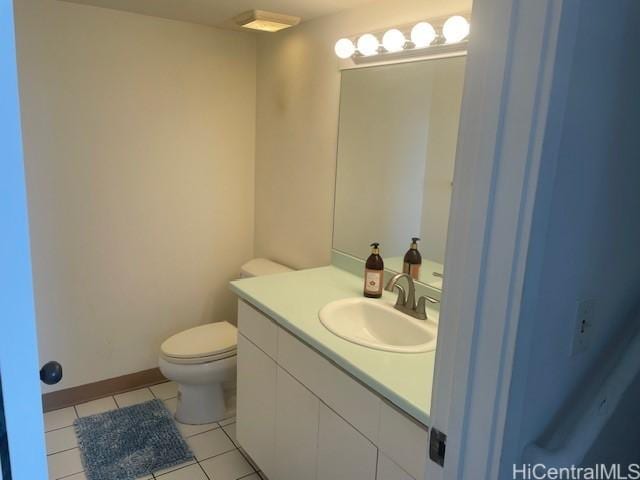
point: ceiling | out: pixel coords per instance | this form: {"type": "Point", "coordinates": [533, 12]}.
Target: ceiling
{"type": "Point", "coordinates": [218, 13]}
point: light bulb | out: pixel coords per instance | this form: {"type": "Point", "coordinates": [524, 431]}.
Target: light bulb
{"type": "Point", "coordinates": [393, 40]}
{"type": "Point", "coordinates": [455, 29]}
{"type": "Point", "coordinates": [344, 48]}
{"type": "Point", "coordinates": [368, 45]}
{"type": "Point", "coordinates": [423, 34]}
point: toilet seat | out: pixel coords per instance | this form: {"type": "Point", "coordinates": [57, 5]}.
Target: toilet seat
{"type": "Point", "coordinates": [203, 344]}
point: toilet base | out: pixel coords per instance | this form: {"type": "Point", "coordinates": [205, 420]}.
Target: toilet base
{"type": "Point", "coordinates": [200, 404]}
{"type": "Point", "coordinates": [201, 389]}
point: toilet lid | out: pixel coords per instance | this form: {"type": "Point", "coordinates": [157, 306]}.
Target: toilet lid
{"type": "Point", "coordinates": [203, 341]}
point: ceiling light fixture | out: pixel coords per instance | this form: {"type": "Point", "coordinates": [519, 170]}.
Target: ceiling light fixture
{"type": "Point", "coordinates": [266, 21]}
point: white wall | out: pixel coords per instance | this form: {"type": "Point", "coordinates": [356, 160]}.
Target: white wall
{"type": "Point", "coordinates": [590, 247]}
{"type": "Point", "coordinates": [297, 125]}
{"type": "Point", "coordinates": [139, 143]}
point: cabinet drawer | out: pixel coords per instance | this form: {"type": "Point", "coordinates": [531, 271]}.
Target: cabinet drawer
{"type": "Point", "coordinates": [258, 328]}
{"type": "Point", "coordinates": [338, 390]}
{"type": "Point", "coordinates": [403, 440]}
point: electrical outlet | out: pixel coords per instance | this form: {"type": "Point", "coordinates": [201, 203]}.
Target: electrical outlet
{"type": "Point", "coordinates": [584, 326]}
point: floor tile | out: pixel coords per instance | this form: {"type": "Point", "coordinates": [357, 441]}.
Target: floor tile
{"type": "Point", "coordinates": [163, 391]}
{"type": "Point", "coordinates": [171, 405]}
{"type": "Point", "coordinates": [78, 476]}
{"type": "Point", "coordinates": [175, 467]}
{"type": "Point", "coordinates": [134, 397]}
{"type": "Point", "coordinates": [97, 406]}
{"type": "Point", "coordinates": [191, 430]}
{"type": "Point", "coordinates": [193, 472]}
{"type": "Point", "coordinates": [59, 418]}
{"type": "Point", "coordinates": [228, 466]}
{"type": "Point", "coordinates": [61, 439]}
{"type": "Point", "coordinates": [231, 431]}
{"type": "Point", "coordinates": [64, 464]}
{"type": "Point", "coordinates": [208, 444]}
{"type": "Point", "coordinates": [227, 421]}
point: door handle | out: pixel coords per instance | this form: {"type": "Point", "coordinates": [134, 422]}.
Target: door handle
{"type": "Point", "coordinates": [51, 373]}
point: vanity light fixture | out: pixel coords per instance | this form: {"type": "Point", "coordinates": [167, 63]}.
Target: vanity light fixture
{"type": "Point", "coordinates": [265, 21]}
{"type": "Point", "coordinates": [455, 29]}
{"type": "Point", "coordinates": [368, 45]}
{"type": "Point", "coordinates": [421, 39]}
{"type": "Point", "coordinates": [393, 40]}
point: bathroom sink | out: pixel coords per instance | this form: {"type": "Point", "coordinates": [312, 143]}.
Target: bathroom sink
{"type": "Point", "coordinates": [376, 324]}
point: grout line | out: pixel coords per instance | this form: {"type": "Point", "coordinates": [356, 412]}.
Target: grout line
{"type": "Point", "coordinates": [116, 402]}
{"type": "Point", "coordinates": [203, 470]}
{"type": "Point", "coordinates": [198, 460]}
{"type": "Point", "coordinates": [62, 451]}
{"type": "Point", "coordinates": [76, 410]}
{"type": "Point", "coordinates": [59, 428]}
{"type": "Point", "coordinates": [199, 433]}
{"type": "Point", "coordinates": [70, 475]}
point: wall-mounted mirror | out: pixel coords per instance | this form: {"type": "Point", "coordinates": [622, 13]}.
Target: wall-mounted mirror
{"type": "Point", "coordinates": [396, 151]}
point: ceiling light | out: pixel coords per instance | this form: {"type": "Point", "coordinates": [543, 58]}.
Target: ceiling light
{"type": "Point", "coordinates": [393, 40]}
{"type": "Point", "coordinates": [423, 34]}
{"type": "Point", "coordinates": [455, 29]}
{"type": "Point", "coordinates": [344, 48]}
{"type": "Point", "coordinates": [368, 44]}
{"type": "Point", "coordinates": [266, 21]}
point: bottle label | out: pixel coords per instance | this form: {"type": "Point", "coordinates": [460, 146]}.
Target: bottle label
{"type": "Point", "coordinates": [414, 271]}
{"type": "Point", "coordinates": [373, 281]}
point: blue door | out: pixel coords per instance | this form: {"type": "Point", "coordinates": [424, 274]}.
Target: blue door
{"type": "Point", "coordinates": [22, 451]}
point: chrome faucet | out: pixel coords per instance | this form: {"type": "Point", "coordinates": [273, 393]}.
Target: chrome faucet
{"type": "Point", "coordinates": [406, 301]}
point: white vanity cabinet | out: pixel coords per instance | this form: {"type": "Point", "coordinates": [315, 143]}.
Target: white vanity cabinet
{"type": "Point", "coordinates": [299, 416]}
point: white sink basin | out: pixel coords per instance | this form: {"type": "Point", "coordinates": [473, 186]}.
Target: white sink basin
{"type": "Point", "coordinates": [376, 324]}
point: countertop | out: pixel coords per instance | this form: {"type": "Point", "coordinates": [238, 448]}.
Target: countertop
{"type": "Point", "coordinates": [293, 300]}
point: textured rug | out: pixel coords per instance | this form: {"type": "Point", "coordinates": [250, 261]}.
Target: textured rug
{"type": "Point", "coordinates": [130, 442]}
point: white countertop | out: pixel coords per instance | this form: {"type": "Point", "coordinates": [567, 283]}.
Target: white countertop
{"type": "Point", "coordinates": [293, 300]}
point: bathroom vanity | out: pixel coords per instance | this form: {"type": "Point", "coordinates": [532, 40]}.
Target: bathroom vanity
{"type": "Point", "coordinates": [313, 405]}
{"type": "Point", "coordinates": [332, 386]}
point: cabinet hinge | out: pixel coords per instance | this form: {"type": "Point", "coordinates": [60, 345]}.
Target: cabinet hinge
{"type": "Point", "coordinates": [437, 446]}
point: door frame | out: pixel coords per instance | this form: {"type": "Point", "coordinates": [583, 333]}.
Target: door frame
{"type": "Point", "coordinates": [517, 74]}
{"type": "Point", "coordinates": [18, 343]}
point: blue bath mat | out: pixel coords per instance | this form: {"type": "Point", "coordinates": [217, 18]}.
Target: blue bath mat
{"type": "Point", "coordinates": [130, 442]}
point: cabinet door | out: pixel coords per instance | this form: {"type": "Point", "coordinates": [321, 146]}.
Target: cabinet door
{"type": "Point", "coordinates": [256, 405]}
{"type": "Point", "coordinates": [343, 453]}
{"type": "Point", "coordinates": [296, 430]}
{"type": "Point", "coordinates": [388, 470]}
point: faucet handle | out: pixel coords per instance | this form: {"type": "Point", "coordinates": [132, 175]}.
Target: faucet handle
{"type": "Point", "coordinates": [421, 308]}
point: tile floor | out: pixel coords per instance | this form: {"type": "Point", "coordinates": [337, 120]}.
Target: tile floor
{"type": "Point", "coordinates": [217, 456]}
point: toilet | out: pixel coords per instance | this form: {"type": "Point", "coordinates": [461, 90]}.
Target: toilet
{"type": "Point", "coordinates": [202, 361]}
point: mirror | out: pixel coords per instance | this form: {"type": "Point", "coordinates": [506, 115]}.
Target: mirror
{"type": "Point", "coordinates": [396, 150]}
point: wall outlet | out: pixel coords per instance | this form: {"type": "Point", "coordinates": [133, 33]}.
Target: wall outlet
{"type": "Point", "coordinates": [585, 317]}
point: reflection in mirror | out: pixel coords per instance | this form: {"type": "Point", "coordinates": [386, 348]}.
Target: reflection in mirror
{"type": "Point", "coordinates": [396, 151]}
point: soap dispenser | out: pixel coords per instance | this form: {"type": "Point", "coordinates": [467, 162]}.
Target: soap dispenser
{"type": "Point", "coordinates": [373, 273]}
{"type": "Point", "coordinates": [413, 260]}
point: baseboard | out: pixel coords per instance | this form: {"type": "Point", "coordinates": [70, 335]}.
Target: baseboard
{"type": "Point", "coordinates": [104, 388]}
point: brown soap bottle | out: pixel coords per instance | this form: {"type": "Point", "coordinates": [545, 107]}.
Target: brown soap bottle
{"type": "Point", "coordinates": [413, 260]}
{"type": "Point", "coordinates": [374, 273]}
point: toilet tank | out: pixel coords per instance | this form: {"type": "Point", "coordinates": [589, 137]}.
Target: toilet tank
{"type": "Point", "coordinates": [261, 266]}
